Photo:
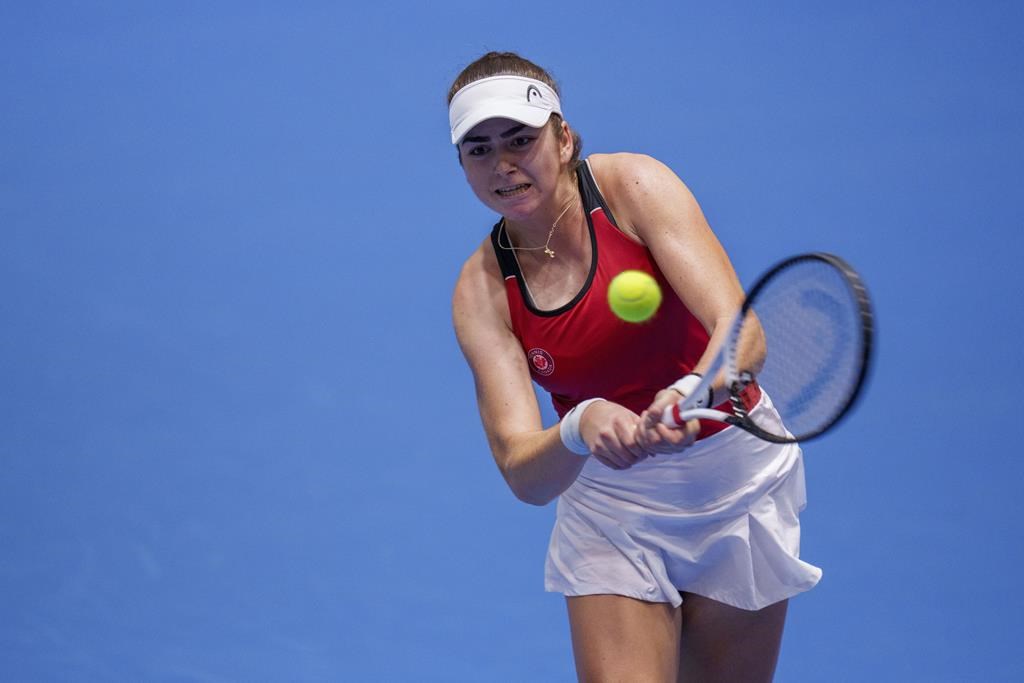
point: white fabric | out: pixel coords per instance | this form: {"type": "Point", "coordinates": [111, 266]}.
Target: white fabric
{"type": "Point", "coordinates": [569, 428]}
{"type": "Point", "coordinates": [521, 99]}
{"type": "Point", "coordinates": [685, 386]}
{"type": "Point", "coordinates": [719, 519]}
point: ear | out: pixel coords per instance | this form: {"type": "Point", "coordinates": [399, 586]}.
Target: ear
{"type": "Point", "coordinates": [565, 142]}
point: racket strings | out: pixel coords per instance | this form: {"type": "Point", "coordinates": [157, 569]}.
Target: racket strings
{"type": "Point", "coordinates": [812, 327]}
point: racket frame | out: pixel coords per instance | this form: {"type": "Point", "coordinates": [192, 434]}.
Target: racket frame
{"type": "Point", "coordinates": [736, 380]}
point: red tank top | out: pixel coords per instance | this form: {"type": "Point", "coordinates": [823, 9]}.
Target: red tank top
{"type": "Point", "coordinates": [582, 350]}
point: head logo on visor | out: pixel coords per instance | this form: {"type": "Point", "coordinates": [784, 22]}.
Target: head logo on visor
{"type": "Point", "coordinates": [501, 97]}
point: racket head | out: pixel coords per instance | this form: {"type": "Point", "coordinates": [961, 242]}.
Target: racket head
{"type": "Point", "coordinates": [817, 327]}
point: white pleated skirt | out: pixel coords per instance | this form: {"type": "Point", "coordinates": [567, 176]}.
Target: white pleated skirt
{"type": "Point", "coordinates": [720, 519]}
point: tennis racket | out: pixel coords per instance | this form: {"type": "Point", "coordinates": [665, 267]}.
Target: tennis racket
{"type": "Point", "coordinates": [804, 336]}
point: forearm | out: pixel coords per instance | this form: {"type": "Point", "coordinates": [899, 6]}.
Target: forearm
{"type": "Point", "coordinates": [750, 357]}
{"type": "Point", "coordinates": [537, 466]}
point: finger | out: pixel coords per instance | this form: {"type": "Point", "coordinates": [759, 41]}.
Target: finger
{"type": "Point", "coordinates": [648, 439]}
{"type": "Point", "coordinates": [681, 437]}
{"type": "Point", "coordinates": [642, 437]}
{"type": "Point", "coordinates": [606, 462]}
{"type": "Point", "coordinates": [692, 430]}
{"type": "Point", "coordinates": [646, 435]}
{"type": "Point", "coordinates": [666, 439]}
{"type": "Point", "coordinates": [611, 451]}
{"type": "Point", "coordinates": [664, 399]}
{"type": "Point", "coordinates": [658, 413]}
{"type": "Point", "coordinates": [652, 416]}
{"type": "Point", "coordinates": [662, 438]}
{"type": "Point", "coordinates": [626, 433]}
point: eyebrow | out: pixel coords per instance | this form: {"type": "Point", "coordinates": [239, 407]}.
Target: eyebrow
{"type": "Point", "coordinates": [483, 138]}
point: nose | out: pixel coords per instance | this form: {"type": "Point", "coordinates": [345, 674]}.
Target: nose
{"type": "Point", "coordinates": [504, 164]}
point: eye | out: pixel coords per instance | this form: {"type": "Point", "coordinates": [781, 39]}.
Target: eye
{"type": "Point", "coordinates": [521, 141]}
{"type": "Point", "coordinates": [477, 150]}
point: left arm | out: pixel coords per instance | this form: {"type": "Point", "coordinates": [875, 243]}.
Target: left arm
{"type": "Point", "coordinates": [656, 208]}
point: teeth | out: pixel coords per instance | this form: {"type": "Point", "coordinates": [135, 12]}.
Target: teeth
{"type": "Point", "coordinates": [515, 189]}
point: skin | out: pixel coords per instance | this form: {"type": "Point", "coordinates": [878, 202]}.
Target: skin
{"type": "Point", "coordinates": [524, 174]}
{"type": "Point", "coordinates": [621, 639]}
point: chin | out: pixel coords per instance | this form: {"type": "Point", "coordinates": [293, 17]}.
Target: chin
{"type": "Point", "coordinates": [516, 208]}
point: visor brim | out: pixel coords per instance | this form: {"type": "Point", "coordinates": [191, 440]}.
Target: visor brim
{"type": "Point", "coordinates": [525, 114]}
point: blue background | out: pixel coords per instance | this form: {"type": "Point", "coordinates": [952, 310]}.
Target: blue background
{"type": "Point", "coordinates": [238, 439]}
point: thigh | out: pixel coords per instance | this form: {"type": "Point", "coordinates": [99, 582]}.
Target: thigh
{"type": "Point", "coordinates": [615, 638]}
{"type": "Point", "coordinates": [723, 643]}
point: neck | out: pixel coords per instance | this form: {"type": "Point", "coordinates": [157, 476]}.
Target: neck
{"type": "Point", "coordinates": [563, 212]}
{"type": "Point", "coordinates": [564, 238]}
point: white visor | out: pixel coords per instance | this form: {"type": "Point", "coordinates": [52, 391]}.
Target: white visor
{"type": "Point", "coordinates": [521, 99]}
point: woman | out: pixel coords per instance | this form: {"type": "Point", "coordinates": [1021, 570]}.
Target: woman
{"type": "Point", "coordinates": [676, 549]}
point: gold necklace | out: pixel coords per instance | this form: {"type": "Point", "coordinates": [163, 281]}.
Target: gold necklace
{"type": "Point", "coordinates": [547, 248]}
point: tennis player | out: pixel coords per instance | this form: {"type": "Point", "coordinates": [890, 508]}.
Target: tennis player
{"type": "Point", "coordinates": [677, 550]}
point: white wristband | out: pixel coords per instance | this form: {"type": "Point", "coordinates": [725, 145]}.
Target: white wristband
{"type": "Point", "coordinates": [569, 429]}
{"type": "Point", "coordinates": [685, 386]}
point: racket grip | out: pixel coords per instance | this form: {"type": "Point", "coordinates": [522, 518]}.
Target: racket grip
{"type": "Point", "coordinates": [671, 416]}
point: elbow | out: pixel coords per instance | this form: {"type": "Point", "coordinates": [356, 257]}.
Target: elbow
{"type": "Point", "coordinates": [528, 491]}
{"type": "Point", "coordinates": [528, 478]}
{"type": "Point", "coordinates": [532, 497]}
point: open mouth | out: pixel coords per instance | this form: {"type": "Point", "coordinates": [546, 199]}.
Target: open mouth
{"type": "Point", "coordinates": [513, 190]}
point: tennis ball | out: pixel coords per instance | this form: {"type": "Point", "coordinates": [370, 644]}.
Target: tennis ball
{"type": "Point", "coordinates": [634, 296]}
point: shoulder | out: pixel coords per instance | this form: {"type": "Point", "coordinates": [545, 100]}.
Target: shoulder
{"type": "Point", "coordinates": [480, 275]}
{"type": "Point", "coordinates": [634, 185]}
{"type": "Point", "coordinates": [479, 294]}
{"type": "Point", "coordinates": [626, 173]}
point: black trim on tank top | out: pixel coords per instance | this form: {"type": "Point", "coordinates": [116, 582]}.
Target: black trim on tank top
{"type": "Point", "coordinates": [592, 196]}
{"type": "Point", "coordinates": [592, 199]}
{"type": "Point", "coordinates": [506, 260]}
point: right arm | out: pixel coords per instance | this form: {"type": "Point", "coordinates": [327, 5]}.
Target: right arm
{"type": "Point", "coordinates": [533, 460]}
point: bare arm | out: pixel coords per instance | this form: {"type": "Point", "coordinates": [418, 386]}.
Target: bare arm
{"type": "Point", "coordinates": [533, 460]}
{"type": "Point", "coordinates": [655, 207]}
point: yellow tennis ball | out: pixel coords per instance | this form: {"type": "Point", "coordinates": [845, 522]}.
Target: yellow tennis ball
{"type": "Point", "coordinates": [634, 296]}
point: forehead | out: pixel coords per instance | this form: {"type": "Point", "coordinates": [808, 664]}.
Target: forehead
{"type": "Point", "coordinates": [497, 128]}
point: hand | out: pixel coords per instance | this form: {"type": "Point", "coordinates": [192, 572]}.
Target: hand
{"type": "Point", "coordinates": [657, 437]}
{"type": "Point", "coordinates": [610, 432]}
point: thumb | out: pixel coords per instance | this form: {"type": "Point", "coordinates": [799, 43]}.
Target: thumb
{"type": "Point", "coordinates": [651, 417]}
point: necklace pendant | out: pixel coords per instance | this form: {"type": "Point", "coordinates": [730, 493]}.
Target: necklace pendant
{"type": "Point", "coordinates": [550, 253]}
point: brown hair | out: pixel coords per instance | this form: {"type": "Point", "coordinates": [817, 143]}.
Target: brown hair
{"type": "Point", "coordinates": [511, 64]}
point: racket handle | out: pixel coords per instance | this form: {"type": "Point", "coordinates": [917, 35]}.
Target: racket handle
{"type": "Point", "coordinates": [671, 415]}
{"type": "Point", "coordinates": [697, 392]}
{"type": "Point", "coordinates": [676, 416]}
